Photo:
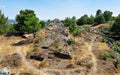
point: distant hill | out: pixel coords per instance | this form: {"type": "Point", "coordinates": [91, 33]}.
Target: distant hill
{"type": "Point", "coordinates": [11, 21]}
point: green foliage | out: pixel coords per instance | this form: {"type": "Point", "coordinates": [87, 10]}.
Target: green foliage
{"type": "Point", "coordinates": [107, 15]}
{"type": "Point", "coordinates": [3, 24]}
{"type": "Point", "coordinates": [83, 20]}
{"type": "Point", "coordinates": [42, 24]}
{"type": "Point", "coordinates": [117, 62]}
{"type": "Point", "coordinates": [99, 19]}
{"type": "Point", "coordinates": [104, 39]}
{"type": "Point", "coordinates": [116, 26]}
{"type": "Point", "coordinates": [67, 22]}
{"type": "Point", "coordinates": [71, 41]}
{"type": "Point", "coordinates": [48, 21]}
{"type": "Point", "coordinates": [72, 25]}
{"type": "Point", "coordinates": [87, 28]}
{"type": "Point", "coordinates": [27, 22]}
{"type": "Point", "coordinates": [113, 18]}
{"type": "Point", "coordinates": [116, 46]}
{"type": "Point", "coordinates": [90, 20]}
{"type": "Point", "coordinates": [99, 12]}
{"type": "Point", "coordinates": [105, 56]}
{"type": "Point", "coordinates": [73, 22]}
{"type": "Point", "coordinates": [77, 31]}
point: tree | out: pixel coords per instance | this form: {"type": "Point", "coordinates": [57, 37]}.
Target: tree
{"type": "Point", "coordinates": [113, 18]}
{"type": "Point", "coordinates": [83, 20]}
{"type": "Point", "coordinates": [67, 22]}
{"type": "Point", "coordinates": [91, 19]}
{"type": "Point", "coordinates": [107, 15]}
{"type": "Point", "coordinates": [73, 24]}
{"type": "Point", "coordinates": [48, 21]}
{"type": "Point", "coordinates": [27, 22]}
{"type": "Point", "coordinates": [99, 12]}
{"type": "Point", "coordinates": [42, 24]}
{"type": "Point", "coordinates": [3, 23]}
{"type": "Point", "coordinates": [116, 26]}
{"type": "Point", "coordinates": [74, 18]}
{"type": "Point", "coordinates": [99, 19]}
{"type": "Point", "coordinates": [73, 21]}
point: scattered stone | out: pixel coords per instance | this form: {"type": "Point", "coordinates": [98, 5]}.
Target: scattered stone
{"type": "Point", "coordinates": [23, 42]}
{"type": "Point", "coordinates": [28, 36]}
{"type": "Point", "coordinates": [37, 57]}
{"type": "Point", "coordinates": [63, 55]}
{"type": "Point", "coordinates": [78, 70]}
{"type": "Point", "coordinates": [89, 38]}
{"type": "Point", "coordinates": [4, 71]}
{"type": "Point", "coordinates": [47, 43]}
{"type": "Point", "coordinates": [70, 66]}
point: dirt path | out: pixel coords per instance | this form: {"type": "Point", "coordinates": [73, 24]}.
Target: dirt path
{"type": "Point", "coordinates": [6, 46]}
{"type": "Point", "coordinates": [27, 63]}
{"type": "Point", "coordinates": [94, 60]}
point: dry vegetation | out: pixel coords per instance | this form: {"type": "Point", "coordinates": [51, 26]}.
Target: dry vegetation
{"type": "Point", "coordinates": [86, 56]}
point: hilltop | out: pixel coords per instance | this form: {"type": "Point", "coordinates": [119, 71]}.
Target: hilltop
{"type": "Point", "coordinates": [55, 51]}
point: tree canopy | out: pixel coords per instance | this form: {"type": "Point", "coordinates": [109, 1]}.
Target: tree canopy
{"type": "Point", "coordinates": [27, 22]}
{"type": "Point", "coordinates": [116, 26]}
{"type": "Point", "coordinates": [91, 20]}
{"type": "Point", "coordinates": [83, 20]}
{"type": "Point", "coordinates": [107, 15]}
{"type": "Point", "coordinates": [99, 19]}
{"type": "Point", "coordinates": [67, 22]}
{"type": "Point", "coordinates": [99, 12]}
{"type": "Point", "coordinates": [3, 23]}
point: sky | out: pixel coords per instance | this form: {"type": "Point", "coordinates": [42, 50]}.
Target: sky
{"type": "Point", "coordinates": [50, 9]}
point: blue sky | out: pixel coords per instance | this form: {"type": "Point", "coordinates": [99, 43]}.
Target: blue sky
{"type": "Point", "coordinates": [50, 9]}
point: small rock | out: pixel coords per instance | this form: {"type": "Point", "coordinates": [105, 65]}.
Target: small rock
{"type": "Point", "coordinates": [63, 55]}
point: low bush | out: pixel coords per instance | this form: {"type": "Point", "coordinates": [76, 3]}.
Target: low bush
{"type": "Point", "coordinates": [104, 39]}
{"type": "Point", "coordinates": [71, 41]}
{"type": "Point", "coordinates": [116, 47]}
{"type": "Point", "coordinates": [105, 56]}
{"type": "Point", "coordinates": [87, 28]}
{"type": "Point", "coordinates": [77, 31]}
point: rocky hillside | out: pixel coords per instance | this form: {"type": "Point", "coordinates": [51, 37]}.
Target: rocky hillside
{"type": "Point", "coordinates": [55, 51]}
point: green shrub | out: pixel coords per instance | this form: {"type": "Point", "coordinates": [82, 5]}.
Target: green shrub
{"type": "Point", "coordinates": [42, 24]}
{"type": "Point", "coordinates": [105, 56]}
{"type": "Point", "coordinates": [87, 28]}
{"type": "Point", "coordinates": [67, 22]}
{"type": "Point", "coordinates": [27, 22]}
{"type": "Point", "coordinates": [77, 31]}
{"type": "Point", "coordinates": [116, 46]}
{"type": "Point", "coordinates": [104, 39]}
{"type": "Point", "coordinates": [107, 15]}
{"type": "Point", "coordinates": [83, 20]}
{"type": "Point", "coordinates": [99, 19]}
{"type": "Point", "coordinates": [91, 20]}
{"type": "Point", "coordinates": [116, 26]}
{"type": "Point", "coordinates": [71, 41]}
{"type": "Point", "coordinates": [117, 62]}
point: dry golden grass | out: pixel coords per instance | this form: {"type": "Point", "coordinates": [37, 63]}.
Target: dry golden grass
{"type": "Point", "coordinates": [6, 48]}
{"type": "Point", "coordinates": [84, 58]}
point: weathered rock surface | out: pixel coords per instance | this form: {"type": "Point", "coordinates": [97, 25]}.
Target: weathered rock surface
{"type": "Point", "coordinates": [13, 60]}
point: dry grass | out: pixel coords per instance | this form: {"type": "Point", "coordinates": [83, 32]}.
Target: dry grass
{"type": "Point", "coordinates": [84, 58]}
